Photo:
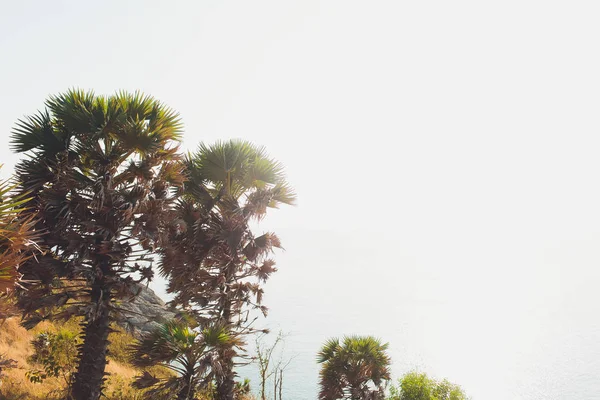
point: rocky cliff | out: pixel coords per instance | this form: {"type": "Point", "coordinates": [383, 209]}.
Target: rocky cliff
{"type": "Point", "coordinates": [145, 312]}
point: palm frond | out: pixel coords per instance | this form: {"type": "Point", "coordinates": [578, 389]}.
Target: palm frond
{"type": "Point", "coordinates": [36, 132]}
{"type": "Point", "coordinates": [358, 367]}
{"type": "Point", "coordinates": [17, 235]}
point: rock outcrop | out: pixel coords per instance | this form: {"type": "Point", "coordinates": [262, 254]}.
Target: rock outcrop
{"type": "Point", "coordinates": [146, 312]}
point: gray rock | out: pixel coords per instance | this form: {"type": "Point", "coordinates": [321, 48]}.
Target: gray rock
{"type": "Point", "coordinates": [145, 313]}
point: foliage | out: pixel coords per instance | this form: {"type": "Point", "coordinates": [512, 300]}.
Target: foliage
{"type": "Point", "coordinates": [99, 172]}
{"type": "Point", "coordinates": [418, 386]}
{"type": "Point", "coordinates": [357, 368]}
{"type": "Point", "coordinates": [214, 262]}
{"type": "Point", "coordinates": [190, 354]}
{"type": "Point", "coordinates": [16, 343]}
{"type": "Point", "coordinates": [57, 354]}
{"type": "Point", "coordinates": [242, 389]}
{"type": "Point", "coordinates": [119, 348]}
{"type": "Point", "coordinates": [17, 239]}
{"type": "Point", "coordinates": [16, 235]}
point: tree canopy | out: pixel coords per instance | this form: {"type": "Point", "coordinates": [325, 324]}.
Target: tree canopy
{"type": "Point", "coordinates": [356, 368]}
{"type": "Point", "coordinates": [419, 386]}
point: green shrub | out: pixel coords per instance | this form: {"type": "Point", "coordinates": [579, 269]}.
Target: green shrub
{"type": "Point", "coordinates": [418, 386]}
{"type": "Point", "coordinates": [56, 353]}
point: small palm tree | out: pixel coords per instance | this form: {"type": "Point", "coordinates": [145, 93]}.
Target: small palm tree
{"type": "Point", "coordinates": [16, 236]}
{"type": "Point", "coordinates": [17, 240]}
{"type": "Point", "coordinates": [214, 261]}
{"type": "Point", "coordinates": [189, 354]}
{"type": "Point", "coordinates": [356, 369]}
{"type": "Point", "coordinates": [99, 173]}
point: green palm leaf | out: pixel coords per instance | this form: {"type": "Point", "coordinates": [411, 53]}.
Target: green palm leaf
{"type": "Point", "coordinates": [358, 367]}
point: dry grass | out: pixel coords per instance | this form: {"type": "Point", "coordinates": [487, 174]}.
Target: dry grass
{"type": "Point", "coordinates": [15, 343]}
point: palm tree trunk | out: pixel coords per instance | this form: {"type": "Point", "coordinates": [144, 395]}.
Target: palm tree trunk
{"type": "Point", "coordinates": [184, 393]}
{"type": "Point", "coordinates": [187, 392]}
{"type": "Point", "coordinates": [89, 378]}
{"type": "Point", "coordinates": [226, 385]}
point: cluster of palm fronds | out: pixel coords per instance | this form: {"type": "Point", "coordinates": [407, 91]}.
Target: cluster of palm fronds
{"type": "Point", "coordinates": [103, 185]}
{"type": "Point", "coordinates": [17, 239]}
{"type": "Point", "coordinates": [356, 368]}
{"type": "Point", "coordinates": [191, 354]}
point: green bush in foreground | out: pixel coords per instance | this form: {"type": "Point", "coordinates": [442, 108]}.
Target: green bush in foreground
{"type": "Point", "coordinates": [418, 386]}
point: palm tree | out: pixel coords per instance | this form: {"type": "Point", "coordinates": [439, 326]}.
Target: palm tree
{"type": "Point", "coordinates": [214, 261]}
{"type": "Point", "coordinates": [16, 236]}
{"type": "Point", "coordinates": [191, 355]}
{"type": "Point", "coordinates": [356, 369]}
{"type": "Point", "coordinates": [17, 240]}
{"type": "Point", "coordinates": [99, 172]}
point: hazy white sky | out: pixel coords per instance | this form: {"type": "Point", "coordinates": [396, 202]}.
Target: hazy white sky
{"type": "Point", "coordinates": [449, 150]}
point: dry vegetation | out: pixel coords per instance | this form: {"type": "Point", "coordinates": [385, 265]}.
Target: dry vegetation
{"type": "Point", "coordinates": [15, 343]}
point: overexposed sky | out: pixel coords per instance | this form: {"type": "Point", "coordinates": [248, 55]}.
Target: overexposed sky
{"type": "Point", "coordinates": [445, 152]}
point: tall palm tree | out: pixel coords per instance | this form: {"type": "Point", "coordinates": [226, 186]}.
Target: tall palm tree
{"type": "Point", "coordinates": [214, 261]}
{"type": "Point", "coordinates": [356, 369]}
{"type": "Point", "coordinates": [99, 172]}
{"type": "Point", "coordinates": [190, 354]}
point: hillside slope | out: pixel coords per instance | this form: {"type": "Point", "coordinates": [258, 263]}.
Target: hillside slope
{"type": "Point", "coordinates": [15, 343]}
